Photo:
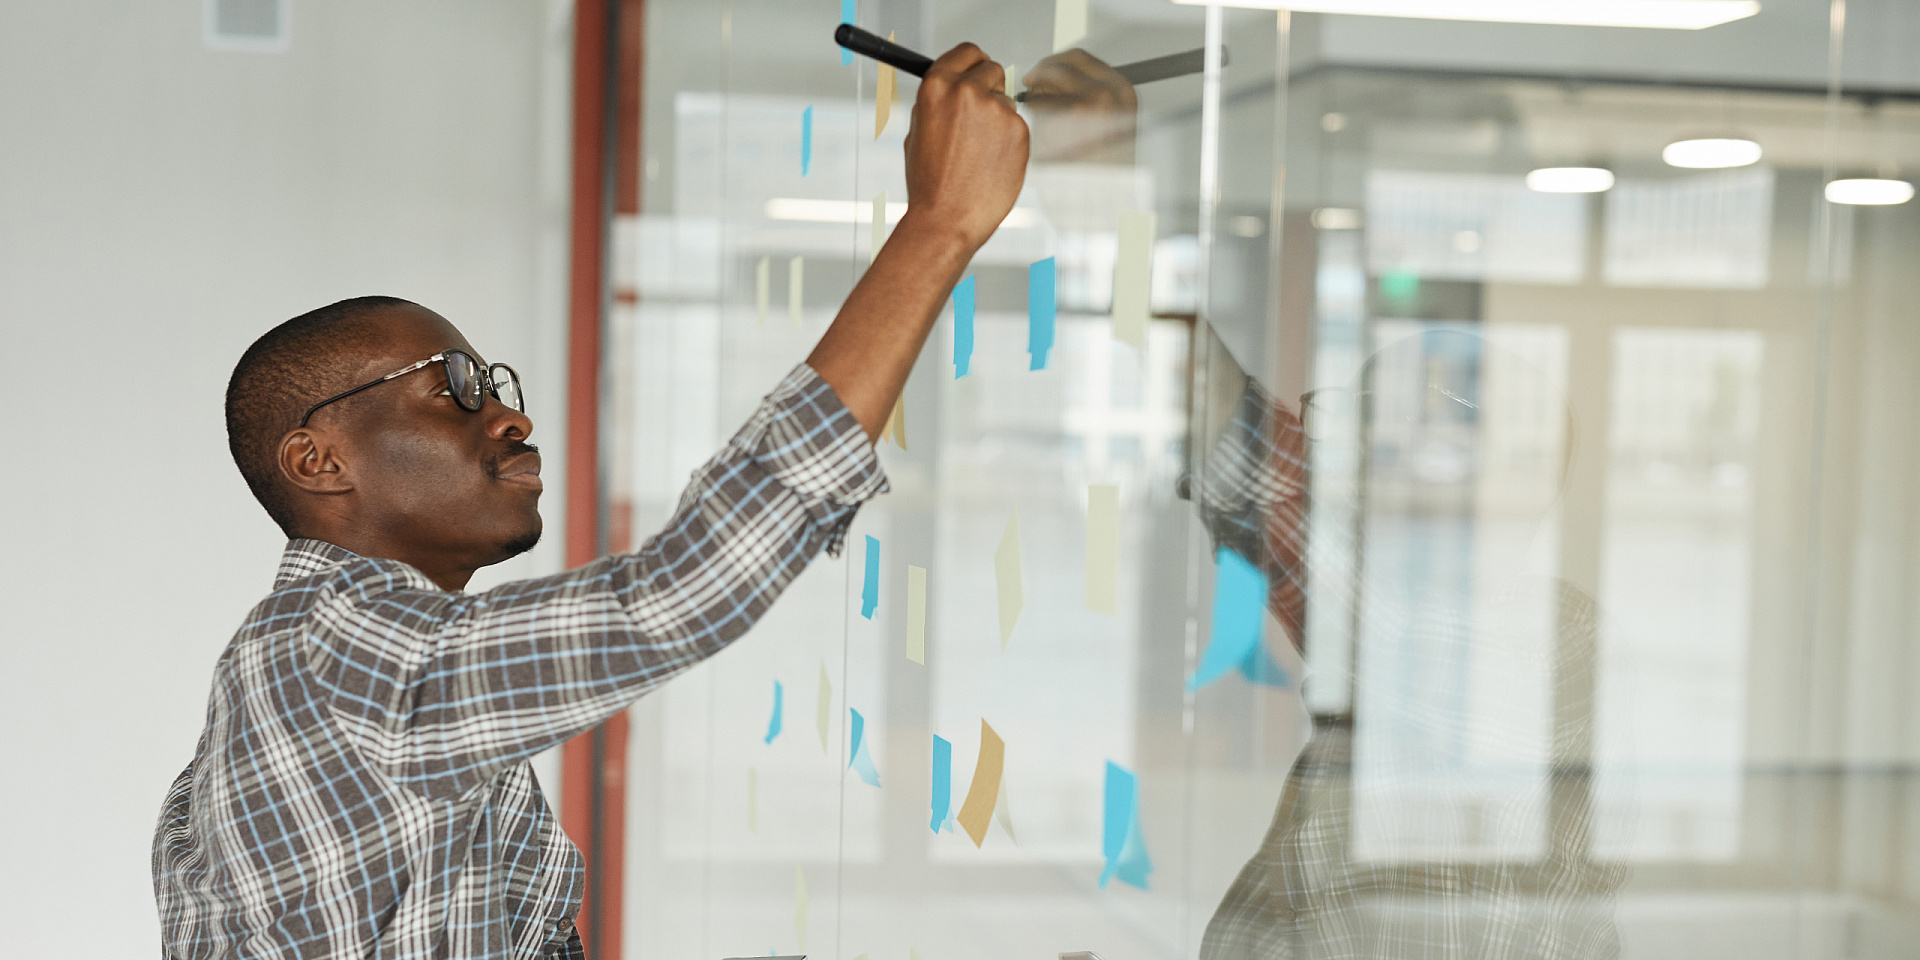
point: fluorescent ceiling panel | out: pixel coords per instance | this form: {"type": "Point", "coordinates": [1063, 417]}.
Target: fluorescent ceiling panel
{"type": "Point", "coordinates": [1660, 14]}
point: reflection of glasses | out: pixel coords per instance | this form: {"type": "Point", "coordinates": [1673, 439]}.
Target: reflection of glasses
{"type": "Point", "coordinates": [466, 380]}
{"type": "Point", "coordinates": [1322, 409]}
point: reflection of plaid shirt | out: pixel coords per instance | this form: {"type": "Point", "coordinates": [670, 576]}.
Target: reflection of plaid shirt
{"type": "Point", "coordinates": [1303, 895]}
{"type": "Point", "coordinates": [362, 787]}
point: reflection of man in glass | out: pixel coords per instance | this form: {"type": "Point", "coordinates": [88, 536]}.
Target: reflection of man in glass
{"type": "Point", "coordinates": [1440, 805]}
{"type": "Point", "coordinates": [1444, 810]}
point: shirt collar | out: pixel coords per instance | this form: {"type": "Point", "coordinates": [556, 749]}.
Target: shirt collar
{"type": "Point", "coordinates": [304, 558]}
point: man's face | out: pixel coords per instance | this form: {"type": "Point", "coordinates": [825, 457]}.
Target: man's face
{"type": "Point", "coordinates": [440, 485]}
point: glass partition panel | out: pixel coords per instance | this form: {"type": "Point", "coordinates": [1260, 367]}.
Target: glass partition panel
{"type": "Point", "coordinates": [1494, 541]}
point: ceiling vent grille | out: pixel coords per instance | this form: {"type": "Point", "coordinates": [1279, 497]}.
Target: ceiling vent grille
{"type": "Point", "coordinates": [259, 26]}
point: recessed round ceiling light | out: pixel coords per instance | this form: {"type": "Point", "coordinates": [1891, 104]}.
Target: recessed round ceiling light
{"type": "Point", "coordinates": [1710, 154]}
{"type": "Point", "coordinates": [1570, 180]}
{"type": "Point", "coordinates": [1869, 192]}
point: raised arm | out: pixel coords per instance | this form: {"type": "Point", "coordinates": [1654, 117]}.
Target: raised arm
{"type": "Point", "coordinates": [966, 159]}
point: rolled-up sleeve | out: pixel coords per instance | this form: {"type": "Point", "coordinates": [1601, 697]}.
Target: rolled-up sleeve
{"type": "Point", "coordinates": [443, 689]}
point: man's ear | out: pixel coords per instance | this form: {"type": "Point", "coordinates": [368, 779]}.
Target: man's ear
{"type": "Point", "coordinates": [313, 461]}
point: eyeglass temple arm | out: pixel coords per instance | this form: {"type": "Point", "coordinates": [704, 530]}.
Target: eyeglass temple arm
{"type": "Point", "coordinates": [369, 384]}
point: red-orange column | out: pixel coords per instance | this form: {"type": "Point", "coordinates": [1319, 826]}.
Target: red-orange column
{"type": "Point", "coordinates": [606, 163]}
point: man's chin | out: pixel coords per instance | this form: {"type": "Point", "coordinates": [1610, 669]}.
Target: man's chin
{"type": "Point", "coordinates": [519, 545]}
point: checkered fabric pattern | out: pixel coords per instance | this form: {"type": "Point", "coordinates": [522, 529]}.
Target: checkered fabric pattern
{"type": "Point", "coordinates": [1304, 894]}
{"type": "Point", "coordinates": [362, 787]}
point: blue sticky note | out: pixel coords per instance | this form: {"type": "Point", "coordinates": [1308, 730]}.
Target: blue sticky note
{"type": "Point", "coordinates": [870, 587]}
{"type": "Point", "coordinates": [1239, 601]}
{"type": "Point", "coordinates": [861, 759]}
{"type": "Point", "coordinates": [846, 16]}
{"type": "Point", "coordinates": [1134, 863]}
{"type": "Point", "coordinates": [1259, 668]}
{"type": "Point", "coordinates": [962, 326]}
{"type": "Point", "coordinates": [773, 724]}
{"type": "Point", "coordinates": [1118, 823]}
{"type": "Point", "coordinates": [806, 140]}
{"type": "Point", "coordinates": [942, 781]}
{"type": "Point", "coordinates": [1040, 310]}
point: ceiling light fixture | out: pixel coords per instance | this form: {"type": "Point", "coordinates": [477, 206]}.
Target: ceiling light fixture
{"type": "Point", "coordinates": [1660, 14]}
{"type": "Point", "coordinates": [1710, 154]}
{"type": "Point", "coordinates": [1869, 192]}
{"type": "Point", "coordinates": [1336, 218]}
{"type": "Point", "coordinates": [1570, 180]}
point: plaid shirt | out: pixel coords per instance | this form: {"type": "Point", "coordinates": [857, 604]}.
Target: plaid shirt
{"type": "Point", "coordinates": [362, 786]}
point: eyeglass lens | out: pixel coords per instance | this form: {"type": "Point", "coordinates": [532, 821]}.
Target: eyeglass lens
{"type": "Point", "coordinates": [506, 386]}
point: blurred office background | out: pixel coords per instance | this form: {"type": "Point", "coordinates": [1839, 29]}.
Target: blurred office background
{"type": "Point", "coordinates": [1614, 549]}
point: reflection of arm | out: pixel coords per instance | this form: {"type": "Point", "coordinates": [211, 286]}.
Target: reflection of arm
{"type": "Point", "coordinates": [1252, 493]}
{"type": "Point", "coordinates": [440, 690]}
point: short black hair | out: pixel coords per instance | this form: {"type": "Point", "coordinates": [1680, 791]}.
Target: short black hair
{"type": "Point", "coordinates": [290, 368]}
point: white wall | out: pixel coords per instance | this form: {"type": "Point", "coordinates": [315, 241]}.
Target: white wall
{"type": "Point", "coordinates": [161, 204]}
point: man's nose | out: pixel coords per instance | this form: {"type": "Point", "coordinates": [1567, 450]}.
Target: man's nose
{"type": "Point", "coordinates": [504, 422]}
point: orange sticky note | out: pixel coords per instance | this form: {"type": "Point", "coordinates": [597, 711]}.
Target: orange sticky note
{"type": "Point", "coordinates": [976, 814]}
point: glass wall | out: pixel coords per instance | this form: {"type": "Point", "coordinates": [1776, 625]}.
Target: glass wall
{"type": "Point", "coordinates": [1413, 487]}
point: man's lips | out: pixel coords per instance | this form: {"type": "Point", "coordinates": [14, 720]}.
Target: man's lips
{"type": "Point", "coordinates": [521, 471]}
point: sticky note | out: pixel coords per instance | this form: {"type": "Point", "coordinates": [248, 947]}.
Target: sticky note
{"type": "Point", "coordinates": [1003, 812]}
{"type": "Point", "coordinates": [861, 759]}
{"type": "Point", "coordinates": [847, 8]}
{"type": "Point", "coordinates": [762, 288]}
{"type": "Point", "coordinates": [753, 800]}
{"type": "Point", "coordinates": [806, 137]}
{"type": "Point", "coordinates": [1133, 278]}
{"type": "Point", "coordinates": [1006, 573]}
{"type": "Point", "coordinates": [1103, 548]}
{"type": "Point", "coordinates": [1013, 79]}
{"type": "Point", "coordinates": [1239, 603]}
{"type": "Point", "coordinates": [1121, 841]}
{"type": "Point", "coordinates": [825, 713]}
{"type": "Point", "coordinates": [917, 614]}
{"type": "Point", "coordinates": [942, 782]}
{"type": "Point", "coordinates": [1040, 310]}
{"type": "Point", "coordinates": [879, 229]}
{"type": "Point", "coordinates": [884, 93]}
{"type": "Point", "coordinates": [870, 584]}
{"type": "Point", "coordinates": [977, 812]}
{"type": "Point", "coordinates": [773, 723]}
{"type": "Point", "coordinates": [1069, 23]}
{"type": "Point", "coordinates": [895, 428]}
{"type": "Point", "coordinates": [795, 273]}
{"type": "Point", "coordinates": [962, 326]}
{"type": "Point", "coordinates": [1134, 863]}
{"type": "Point", "coordinates": [800, 906]}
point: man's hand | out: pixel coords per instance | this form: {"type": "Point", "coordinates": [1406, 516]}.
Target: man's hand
{"type": "Point", "coordinates": [967, 148]}
{"type": "Point", "coordinates": [966, 159]}
{"type": "Point", "coordinates": [1082, 110]}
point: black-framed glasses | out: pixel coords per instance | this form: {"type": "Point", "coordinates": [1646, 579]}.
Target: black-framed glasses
{"type": "Point", "coordinates": [466, 380]}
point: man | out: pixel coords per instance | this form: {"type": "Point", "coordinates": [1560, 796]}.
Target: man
{"type": "Point", "coordinates": [362, 788]}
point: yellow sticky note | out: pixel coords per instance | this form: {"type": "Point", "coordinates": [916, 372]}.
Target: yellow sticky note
{"type": "Point", "coordinates": [753, 800]}
{"type": "Point", "coordinates": [826, 705]}
{"type": "Point", "coordinates": [917, 614]}
{"type": "Point", "coordinates": [884, 94]}
{"type": "Point", "coordinates": [1133, 278]}
{"type": "Point", "coordinates": [794, 275]}
{"type": "Point", "coordinates": [896, 428]}
{"type": "Point", "coordinates": [800, 907]}
{"type": "Point", "coordinates": [879, 223]}
{"type": "Point", "coordinates": [1069, 23]}
{"type": "Point", "coordinates": [1013, 79]}
{"type": "Point", "coordinates": [977, 812]}
{"type": "Point", "coordinates": [762, 288]}
{"type": "Point", "coordinates": [1006, 573]}
{"type": "Point", "coordinates": [1103, 548]}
